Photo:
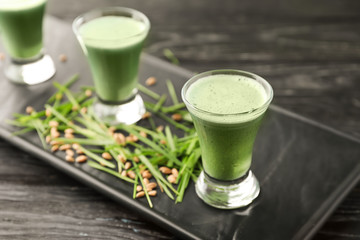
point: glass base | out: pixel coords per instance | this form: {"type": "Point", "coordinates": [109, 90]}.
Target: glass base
{"type": "Point", "coordinates": [30, 72]}
{"type": "Point", "coordinates": [225, 194]}
{"type": "Point", "coordinates": [126, 113]}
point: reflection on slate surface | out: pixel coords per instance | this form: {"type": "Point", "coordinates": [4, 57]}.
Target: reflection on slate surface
{"type": "Point", "coordinates": [303, 169]}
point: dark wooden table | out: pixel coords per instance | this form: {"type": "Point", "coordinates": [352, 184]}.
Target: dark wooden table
{"type": "Point", "coordinates": [308, 50]}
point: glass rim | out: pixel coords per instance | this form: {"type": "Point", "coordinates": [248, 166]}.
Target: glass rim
{"type": "Point", "coordinates": [111, 11]}
{"type": "Point", "coordinates": [266, 85]}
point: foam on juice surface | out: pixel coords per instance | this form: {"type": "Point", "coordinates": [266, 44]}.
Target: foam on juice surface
{"type": "Point", "coordinates": [226, 94]}
{"type": "Point", "coordinates": [14, 5]}
{"type": "Point", "coordinates": [112, 32]}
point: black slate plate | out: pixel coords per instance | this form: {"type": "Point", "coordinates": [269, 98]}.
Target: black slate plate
{"type": "Point", "coordinates": [305, 169]}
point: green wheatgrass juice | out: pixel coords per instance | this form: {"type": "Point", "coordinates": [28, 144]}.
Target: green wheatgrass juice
{"type": "Point", "coordinates": [226, 137]}
{"type": "Point", "coordinates": [113, 46]}
{"type": "Point", "coordinates": [21, 27]}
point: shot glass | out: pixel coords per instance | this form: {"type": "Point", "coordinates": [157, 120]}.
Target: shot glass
{"type": "Point", "coordinates": [21, 23]}
{"type": "Point", "coordinates": [227, 107]}
{"type": "Point", "coordinates": [112, 40]}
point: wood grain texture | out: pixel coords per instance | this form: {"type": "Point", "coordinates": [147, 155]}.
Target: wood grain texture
{"type": "Point", "coordinates": [308, 50]}
{"type": "Point", "coordinates": [38, 202]}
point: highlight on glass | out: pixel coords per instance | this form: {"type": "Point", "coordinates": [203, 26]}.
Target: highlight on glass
{"type": "Point", "coordinates": [227, 107]}
{"type": "Point", "coordinates": [21, 28]}
{"type": "Point", "coordinates": [112, 40]}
